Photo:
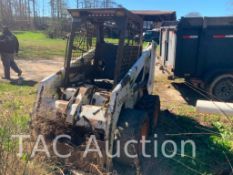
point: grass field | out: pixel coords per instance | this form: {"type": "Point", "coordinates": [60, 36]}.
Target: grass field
{"type": "Point", "coordinates": [213, 140]}
{"type": "Point", "coordinates": [36, 45]}
{"type": "Point", "coordinates": [16, 106]}
{"type": "Point", "coordinates": [212, 134]}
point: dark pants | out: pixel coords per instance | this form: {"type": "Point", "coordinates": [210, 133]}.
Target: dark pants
{"type": "Point", "coordinates": [9, 62]}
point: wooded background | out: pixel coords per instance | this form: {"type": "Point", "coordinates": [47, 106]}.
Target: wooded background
{"type": "Point", "coordinates": [39, 14]}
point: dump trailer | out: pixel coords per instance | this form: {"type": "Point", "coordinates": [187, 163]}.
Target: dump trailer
{"type": "Point", "coordinates": [200, 50]}
{"type": "Point", "coordinates": [104, 90]}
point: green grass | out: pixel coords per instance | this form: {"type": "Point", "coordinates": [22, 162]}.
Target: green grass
{"type": "Point", "coordinates": [213, 149]}
{"type": "Point", "coordinates": [18, 101]}
{"type": "Point", "coordinates": [36, 45]}
{"type": "Point", "coordinates": [15, 105]}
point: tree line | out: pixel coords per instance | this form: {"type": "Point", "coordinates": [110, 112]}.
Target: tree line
{"type": "Point", "coordinates": [34, 13]}
{"type": "Point", "coordinates": [30, 13]}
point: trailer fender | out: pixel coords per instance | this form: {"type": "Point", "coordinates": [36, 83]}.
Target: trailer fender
{"type": "Point", "coordinates": [221, 88]}
{"type": "Point", "coordinates": [211, 76]}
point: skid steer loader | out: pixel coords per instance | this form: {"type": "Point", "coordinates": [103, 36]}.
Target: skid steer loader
{"type": "Point", "coordinates": [105, 88]}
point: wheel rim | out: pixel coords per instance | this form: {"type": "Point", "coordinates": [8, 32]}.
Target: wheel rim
{"type": "Point", "coordinates": [224, 89]}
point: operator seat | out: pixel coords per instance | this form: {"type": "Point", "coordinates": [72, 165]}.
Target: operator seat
{"type": "Point", "coordinates": [105, 61]}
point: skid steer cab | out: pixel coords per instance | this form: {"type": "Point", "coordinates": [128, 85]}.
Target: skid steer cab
{"type": "Point", "coordinates": [105, 88]}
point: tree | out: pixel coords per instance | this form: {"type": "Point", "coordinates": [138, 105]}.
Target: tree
{"type": "Point", "coordinates": [31, 13]}
{"type": "Point", "coordinates": [18, 12]}
{"type": "Point", "coordinates": [58, 9]}
{"type": "Point", "coordinates": [193, 14]}
{"type": "Point", "coordinates": [94, 3]}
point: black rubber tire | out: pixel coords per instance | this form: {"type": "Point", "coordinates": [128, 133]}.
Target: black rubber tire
{"type": "Point", "coordinates": [151, 104]}
{"type": "Point", "coordinates": [131, 124]}
{"type": "Point", "coordinates": [221, 88]}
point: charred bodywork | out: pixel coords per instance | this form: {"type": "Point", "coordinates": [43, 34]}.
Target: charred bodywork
{"type": "Point", "coordinates": [105, 72]}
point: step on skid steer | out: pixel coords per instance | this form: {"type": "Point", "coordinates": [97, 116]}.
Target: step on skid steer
{"type": "Point", "coordinates": [104, 90]}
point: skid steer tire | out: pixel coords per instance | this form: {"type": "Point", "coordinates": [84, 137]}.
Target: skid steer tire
{"type": "Point", "coordinates": [133, 125]}
{"type": "Point", "coordinates": [151, 104]}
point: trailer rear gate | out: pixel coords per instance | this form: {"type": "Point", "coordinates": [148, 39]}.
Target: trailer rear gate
{"type": "Point", "coordinates": [199, 48]}
{"type": "Point", "coordinates": [168, 45]}
{"type": "Point", "coordinates": [203, 45]}
{"type": "Point", "coordinates": [172, 46]}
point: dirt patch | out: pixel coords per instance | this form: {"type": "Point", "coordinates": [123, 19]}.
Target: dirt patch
{"type": "Point", "coordinates": [36, 70]}
{"type": "Point", "coordinates": [165, 89]}
{"type": "Point", "coordinates": [90, 164]}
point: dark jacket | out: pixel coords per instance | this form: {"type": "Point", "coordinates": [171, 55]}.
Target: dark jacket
{"type": "Point", "coordinates": [9, 43]}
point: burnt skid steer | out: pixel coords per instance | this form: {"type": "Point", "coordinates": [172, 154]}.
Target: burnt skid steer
{"type": "Point", "coordinates": [104, 90]}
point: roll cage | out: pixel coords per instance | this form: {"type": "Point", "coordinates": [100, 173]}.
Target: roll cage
{"type": "Point", "coordinates": [113, 35]}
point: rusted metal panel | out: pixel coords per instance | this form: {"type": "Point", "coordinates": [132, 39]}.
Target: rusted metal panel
{"type": "Point", "coordinates": [61, 106]}
{"type": "Point", "coordinates": [129, 26]}
{"type": "Point", "coordinates": [78, 110]}
{"type": "Point", "coordinates": [93, 117]}
{"type": "Point", "coordinates": [100, 99]}
{"type": "Point", "coordinates": [104, 13]}
{"type": "Point", "coordinates": [74, 107]}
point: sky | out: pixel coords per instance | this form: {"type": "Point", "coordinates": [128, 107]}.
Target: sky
{"type": "Point", "coordinates": [183, 7]}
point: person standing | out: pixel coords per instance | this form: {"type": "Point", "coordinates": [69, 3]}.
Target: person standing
{"type": "Point", "coordinates": [9, 46]}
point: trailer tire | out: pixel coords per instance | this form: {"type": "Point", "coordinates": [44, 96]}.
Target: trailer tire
{"type": "Point", "coordinates": [222, 87]}
{"type": "Point", "coordinates": [133, 125]}
{"type": "Point", "coordinates": [151, 104]}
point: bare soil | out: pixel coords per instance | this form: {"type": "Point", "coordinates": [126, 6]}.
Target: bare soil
{"type": "Point", "coordinates": [36, 70]}
{"type": "Point", "coordinates": [164, 88]}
